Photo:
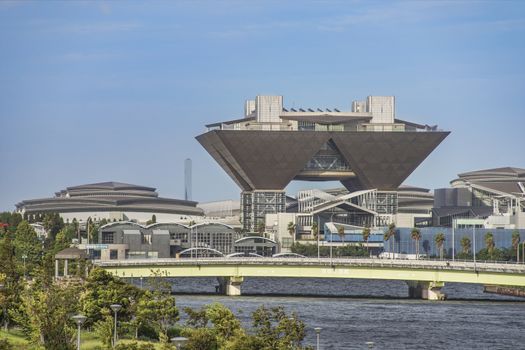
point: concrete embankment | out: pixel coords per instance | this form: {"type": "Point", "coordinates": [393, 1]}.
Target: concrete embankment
{"type": "Point", "coordinates": [512, 291]}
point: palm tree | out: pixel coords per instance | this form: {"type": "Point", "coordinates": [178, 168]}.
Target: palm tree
{"type": "Point", "coordinates": [465, 244]}
{"type": "Point", "coordinates": [516, 243]}
{"type": "Point", "coordinates": [416, 236]}
{"type": "Point", "coordinates": [315, 229]}
{"type": "Point", "coordinates": [390, 232]}
{"type": "Point", "coordinates": [440, 239]}
{"type": "Point", "coordinates": [291, 228]}
{"type": "Point", "coordinates": [341, 233]}
{"type": "Point", "coordinates": [489, 243]}
{"type": "Point", "coordinates": [261, 227]}
{"type": "Point", "coordinates": [366, 235]}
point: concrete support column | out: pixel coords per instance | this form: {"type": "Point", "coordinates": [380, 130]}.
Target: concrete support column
{"type": "Point", "coordinates": [230, 286]}
{"type": "Point", "coordinates": [56, 268]}
{"type": "Point", "coordinates": [425, 290]}
{"type": "Point", "coordinates": [65, 267]}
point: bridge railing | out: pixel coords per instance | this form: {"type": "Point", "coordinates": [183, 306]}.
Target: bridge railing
{"type": "Point", "coordinates": [323, 262]}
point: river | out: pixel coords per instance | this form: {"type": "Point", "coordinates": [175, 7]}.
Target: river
{"type": "Point", "coordinates": [353, 312]}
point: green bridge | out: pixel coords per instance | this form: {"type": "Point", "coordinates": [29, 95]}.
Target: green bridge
{"type": "Point", "coordinates": [425, 278]}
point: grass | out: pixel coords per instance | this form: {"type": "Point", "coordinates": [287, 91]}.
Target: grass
{"type": "Point", "coordinates": [89, 341]}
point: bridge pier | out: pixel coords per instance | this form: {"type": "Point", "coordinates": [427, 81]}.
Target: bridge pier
{"type": "Point", "coordinates": [230, 286]}
{"type": "Point", "coordinates": [425, 290]}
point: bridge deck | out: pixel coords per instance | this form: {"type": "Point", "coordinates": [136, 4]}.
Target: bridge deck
{"type": "Point", "coordinates": [407, 270]}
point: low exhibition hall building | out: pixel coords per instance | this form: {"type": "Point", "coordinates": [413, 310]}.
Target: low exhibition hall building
{"type": "Point", "coordinates": [113, 201]}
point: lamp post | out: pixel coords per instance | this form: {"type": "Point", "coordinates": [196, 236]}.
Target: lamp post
{"type": "Point", "coordinates": [318, 334]}
{"type": "Point", "coordinates": [115, 308]}
{"type": "Point", "coordinates": [79, 320]}
{"type": "Point", "coordinates": [318, 249]}
{"type": "Point", "coordinates": [453, 239]}
{"type": "Point", "coordinates": [179, 341]}
{"type": "Point", "coordinates": [474, 244]}
{"type": "Point", "coordinates": [331, 237]}
{"type": "Point", "coordinates": [370, 344]}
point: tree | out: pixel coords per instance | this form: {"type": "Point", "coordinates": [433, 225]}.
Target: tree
{"type": "Point", "coordinates": [341, 233]}
{"type": "Point", "coordinates": [200, 339]}
{"type": "Point", "coordinates": [261, 228]}
{"type": "Point", "coordinates": [390, 233]}
{"type": "Point", "coordinates": [63, 238]}
{"type": "Point", "coordinates": [516, 243]}
{"type": "Point", "coordinates": [28, 248]}
{"type": "Point", "coordinates": [489, 243]}
{"type": "Point", "coordinates": [159, 310]}
{"type": "Point", "coordinates": [277, 330]}
{"type": "Point", "coordinates": [415, 234]}
{"type": "Point", "coordinates": [45, 314]}
{"type": "Point", "coordinates": [53, 223]}
{"type": "Point", "coordinates": [10, 294]}
{"type": "Point", "coordinates": [439, 239]}
{"type": "Point", "coordinates": [366, 235]}
{"type": "Point", "coordinates": [11, 219]}
{"type": "Point", "coordinates": [291, 228]}
{"type": "Point", "coordinates": [153, 220]}
{"type": "Point", "coordinates": [315, 229]}
{"type": "Point", "coordinates": [465, 245]}
{"type": "Point", "coordinates": [101, 289]}
{"type": "Point", "coordinates": [225, 324]}
{"type": "Point", "coordinates": [103, 328]}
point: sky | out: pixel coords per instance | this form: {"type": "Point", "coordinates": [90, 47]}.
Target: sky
{"type": "Point", "coordinates": [94, 91]}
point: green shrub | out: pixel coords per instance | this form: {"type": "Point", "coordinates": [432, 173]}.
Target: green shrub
{"type": "Point", "coordinates": [5, 344]}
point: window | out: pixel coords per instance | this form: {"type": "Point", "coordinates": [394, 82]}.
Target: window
{"type": "Point", "coordinates": [107, 237]}
{"type": "Point", "coordinates": [113, 254]}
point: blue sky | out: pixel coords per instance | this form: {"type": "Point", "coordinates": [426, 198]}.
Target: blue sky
{"type": "Point", "coordinates": [116, 91]}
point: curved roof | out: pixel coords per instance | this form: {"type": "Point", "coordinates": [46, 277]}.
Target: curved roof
{"type": "Point", "coordinates": [211, 224]}
{"type": "Point", "coordinates": [255, 237]}
{"type": "Point", "coordinates": [111, 224]}
{"type": "Point", "coordinates": [503, 180]}
{"type": "Point", "coordinates": [111, 185]}
{"type": "Point", "coordinates": [157, 224]}
{"type": "Point", "coordinates": [189, 250]}
{"type": "Point", "coordinates": [110, 196]}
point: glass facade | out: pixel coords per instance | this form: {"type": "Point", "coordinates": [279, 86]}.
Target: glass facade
{"type": "Point", "coordinates": [405, 244]}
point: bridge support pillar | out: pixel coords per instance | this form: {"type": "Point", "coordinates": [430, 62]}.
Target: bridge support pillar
{"type": "Point", "coordinates": [230, 285]}
{"type": "Point", "coordinates": [425, 290]}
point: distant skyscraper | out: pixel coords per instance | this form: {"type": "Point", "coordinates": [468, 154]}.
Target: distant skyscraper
{"type": "Point", "coordinates": [187, 179]}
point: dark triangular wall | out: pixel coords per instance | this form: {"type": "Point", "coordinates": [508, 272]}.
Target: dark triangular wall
{"type": "Point", "coordinates": [269, 160]}
{"type": "Point", "coordinates": [383, 160]}
{"type": "Point", "coordinates": [262, 160]}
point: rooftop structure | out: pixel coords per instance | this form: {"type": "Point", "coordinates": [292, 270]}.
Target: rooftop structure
{"type": "Point", "coordinates": [364, 148]}
{"type": "Point", "coordinates": [111, 200]}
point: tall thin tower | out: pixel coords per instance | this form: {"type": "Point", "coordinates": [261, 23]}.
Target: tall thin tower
{"type": "Point", "coordinates": [187, 179]}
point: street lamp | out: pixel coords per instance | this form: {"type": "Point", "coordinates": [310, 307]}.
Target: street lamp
{"type": "Point", "coordinates": [318, 334]}
{"type": "Point", "coordinates": [331, 237]}
{"type": "Point", "coordinates": [115, 308]}
{"type": "Point", "coordinates": [79, 320]}
{"type": "Point", "coordinates": [370, 344]}
{"type": "Point", "coordinates": [179, 341]}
